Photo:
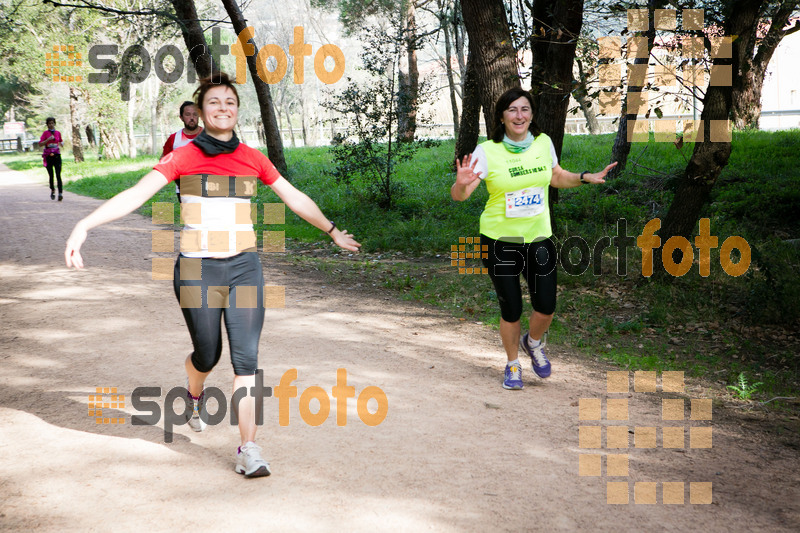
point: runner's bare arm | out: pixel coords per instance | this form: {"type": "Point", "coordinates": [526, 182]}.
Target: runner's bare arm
{"type": "Point", "coordinates": [306, 209]}
{"type": "Point", "coordinates": [564, 179]}
{"type": "Point", "coordinates": [117, 207]}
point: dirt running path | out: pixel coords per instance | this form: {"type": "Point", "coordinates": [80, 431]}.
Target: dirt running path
{"type": "Point", "coordinates": [455, 453]}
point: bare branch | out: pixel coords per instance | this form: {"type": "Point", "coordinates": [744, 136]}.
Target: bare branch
{"type": "Point", "coordinates": [106, 9]}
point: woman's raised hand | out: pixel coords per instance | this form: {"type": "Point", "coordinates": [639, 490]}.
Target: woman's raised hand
{"type": "Point", "coordinates": [465, 170]}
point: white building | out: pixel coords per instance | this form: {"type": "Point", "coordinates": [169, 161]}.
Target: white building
{"type": "Point", "coordinates": [780, 97]}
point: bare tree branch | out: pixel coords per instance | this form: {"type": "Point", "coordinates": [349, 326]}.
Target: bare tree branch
{"type": "Point", "coordinates": [84, 4]}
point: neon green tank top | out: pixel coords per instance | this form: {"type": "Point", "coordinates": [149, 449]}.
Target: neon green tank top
{"type": "Point", "coordinates": [518, 191]}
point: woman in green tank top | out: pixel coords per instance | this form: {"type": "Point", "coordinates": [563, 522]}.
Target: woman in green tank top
{"type": "Point", "coordinates": [519, 164]}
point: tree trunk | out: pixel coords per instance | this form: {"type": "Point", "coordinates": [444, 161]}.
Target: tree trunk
{"type": "Point", "coordinates": [303, 123]}
{"type": "Point", "coordinates": [746, 110]}
{"type": "Point", "coordinates": [490, 47]}
{"type": "Point", "coordinates": [622, 146]}
{"type": "Point", "coordinates": [556, 28]}
{"type": "Point", "coordinates": [553, 55]}
{"type": "Point", "coordinates": [111, 145]}
{"type": "Point", "coordinates": [469, 129]}
{"type": "Point", "coordinates": [303, 127]}
{"type": "Point", "coordinates": [77, 147]}
{"type": "Point", "coordinates": [408, 93]}
{"type": "Point", "coordinates": [274, 141]}
{"type": "Point", "coordinates": [448, 55]}
{"type": "Point", "coordinates": [711, 155]}
{"type": "Point", "coordinates": [262, 138]}
{"type": "Point", "coordinates": [90, 136]}
{"type": "Point", "coordinates": [581, 95]}
{"type": "Point", "coordinates": [747, 87]}
{"type": "Point", "coordinates": [458, 38]}
{"type": "Point", "coordinates": [289, 126]}
{"type": "Point", "coordinates": [193, 37]}
{"type": "Point", "coordinates": [153, 93]}
{"type": "Point", "coordinates": [131, 116]}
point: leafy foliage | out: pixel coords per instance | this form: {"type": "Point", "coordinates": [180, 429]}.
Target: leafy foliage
{"type": "Point", "coordinates": [367, 153]}
{"type": "Point", "coordinates": [353, 12]}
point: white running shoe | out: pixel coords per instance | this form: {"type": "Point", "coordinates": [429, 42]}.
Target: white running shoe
{"type": "Point", "coordinates": [249, 461]}
{"type": "Point", "coordinates": [195, 422]}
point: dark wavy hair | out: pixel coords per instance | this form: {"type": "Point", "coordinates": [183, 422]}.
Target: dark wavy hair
{"type": "Point", "coordinates": [502, 104]}
{"type": "Point", "coordinates": [216, 79]}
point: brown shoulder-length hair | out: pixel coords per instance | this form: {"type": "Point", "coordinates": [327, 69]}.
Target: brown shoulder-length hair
{"type": "Point", "coordinates": [502, 104]}
{"type": "Point", "coordinates": [216, 79]}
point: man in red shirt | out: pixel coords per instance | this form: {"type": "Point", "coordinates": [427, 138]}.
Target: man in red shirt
{"type": "Point", "coordinates": [184, 136]}
{"type": "Point", "coordinates": [191, 129]}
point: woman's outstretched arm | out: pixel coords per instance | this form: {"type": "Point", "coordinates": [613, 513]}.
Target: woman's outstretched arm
{"type": "Point", "coordinates": [308, 210]}
{"type": "Point", "coordinates": [116, 207]}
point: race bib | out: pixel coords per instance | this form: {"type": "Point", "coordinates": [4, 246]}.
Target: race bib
{"type": "Point", "coordinates": [525, 203]}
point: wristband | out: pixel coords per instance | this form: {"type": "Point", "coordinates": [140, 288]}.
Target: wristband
{"type": "Point", "coordinates": [582, 173]}
{"type": "Point", "coordinates": [333, 227]}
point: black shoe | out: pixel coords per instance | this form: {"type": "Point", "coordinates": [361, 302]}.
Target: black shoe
{"type": "Point", "coordinates": [60, 198]}
{"type": "Point", "coordinates": [52, 194]}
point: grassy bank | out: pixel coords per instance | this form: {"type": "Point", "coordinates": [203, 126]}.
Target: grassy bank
{"type": "Point", "coordinates": [715, 327]}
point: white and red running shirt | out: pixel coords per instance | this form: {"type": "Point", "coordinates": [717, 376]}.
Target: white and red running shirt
{"type": "Point", "coordinates": [178, 140]}
{"type": "Point", "coordinates": [215, 197]}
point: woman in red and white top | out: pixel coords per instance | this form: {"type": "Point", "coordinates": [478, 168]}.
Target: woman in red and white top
{"type": "Point", "coordinates": [222, 277]}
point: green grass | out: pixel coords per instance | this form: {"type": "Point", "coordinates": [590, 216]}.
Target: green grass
{"type": "Point", "coordinates": [715, 327]}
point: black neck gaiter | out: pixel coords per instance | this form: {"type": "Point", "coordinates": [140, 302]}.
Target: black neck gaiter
{"type": "Point", "coordinates": [213, 146]}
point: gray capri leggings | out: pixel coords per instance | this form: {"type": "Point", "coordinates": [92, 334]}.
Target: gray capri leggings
{"type": "Point", "coordinates": [243, 323]}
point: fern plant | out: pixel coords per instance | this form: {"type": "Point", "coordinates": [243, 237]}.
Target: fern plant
{"type": "Point", "coordinates": [743, 389]}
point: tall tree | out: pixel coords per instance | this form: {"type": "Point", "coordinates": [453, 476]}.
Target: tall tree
{"type": "Point", "coordinates": [581, 95]}
{"type": "Point", "coordinates": [761, 40]}
{"type": "Point", "coordinates": [409, 75]}
{"type": "Point", "coordinates": [556, 29]}
{"type": "Point", "coordinates": [470, 124]}
{"type": "Point", "coordinates": [274, 141]}
{"type": "Point", "coordinates": [622, 146]}
{"type": "Point", "coordinates": [353, 13]}
{"type": "Point", "coordinates": [77, 148]}
{"type": "Point", "coordinates": [193, 37]}
{"type": "Point", "coordinates": [445, 16]}
{"type": "Point", "coordinates": [710, 156]}
{"type": "Point", "coordinates": [492, 54]}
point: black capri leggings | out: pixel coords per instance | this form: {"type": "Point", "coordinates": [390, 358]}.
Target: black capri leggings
{"type": "Point", "coordinates": [54, 163]}
{"type": "Point", "coordinates": [536, 261]}
{"type": "Point", "coordinates": [233, 288]}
